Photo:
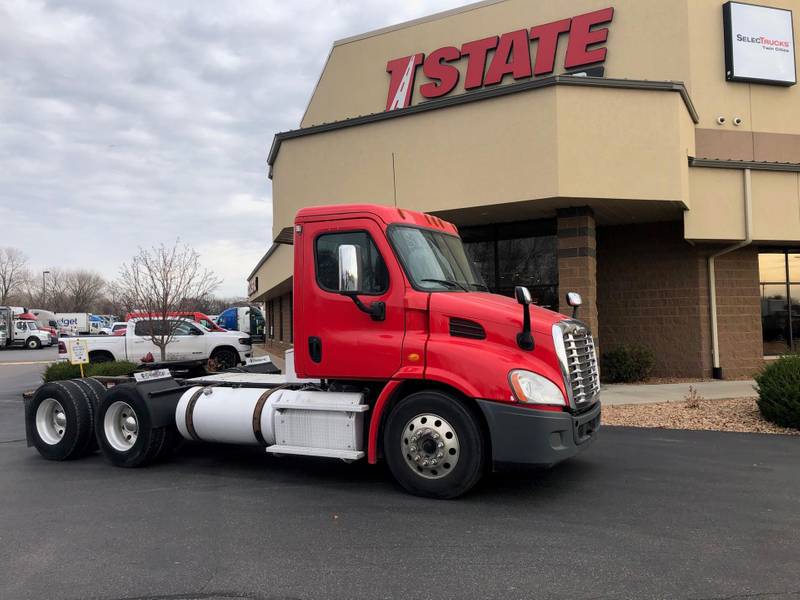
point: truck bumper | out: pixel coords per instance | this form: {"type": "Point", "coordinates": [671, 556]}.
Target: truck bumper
{"type": "Point", "coordinates": [528, 437]}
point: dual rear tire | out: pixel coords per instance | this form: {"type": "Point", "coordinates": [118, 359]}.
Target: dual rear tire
{"type": "Point", "coordinates": [72, 418]}
{"type": "Point", "coordinates": [125, 430]}
{"type": "Point", "coordinates": [61, 416]}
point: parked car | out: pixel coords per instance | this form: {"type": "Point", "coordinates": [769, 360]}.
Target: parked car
{"type": "Point", "coordinates": [192, 342]}
{"type": "Point", "coordinates": [118, 328]}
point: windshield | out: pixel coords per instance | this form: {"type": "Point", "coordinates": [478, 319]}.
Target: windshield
{"type": "Point", "coordinates": [435, 261]}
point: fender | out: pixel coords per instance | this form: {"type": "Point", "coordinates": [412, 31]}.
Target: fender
{"type": "Point", "coordinates": [386, 395]}
{"type": "Point", "coordinates": [375, 420]}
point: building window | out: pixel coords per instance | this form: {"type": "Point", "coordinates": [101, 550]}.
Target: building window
{"type": "Point", "coordinates": [280, 317]}
{"type": "Point", "coordinates": [779, 276]}
{"type": "Point", "coordinates": [520, 253]}
{"type": "Point", "coordinates": [291, 318]}
{"type": "Point", "coordinates": [271, 319]}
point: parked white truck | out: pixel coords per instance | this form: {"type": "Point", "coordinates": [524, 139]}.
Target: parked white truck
{"type": "Point", "coordinates": [191, 342]}
{"type": "Point", "coordinates": [21, 332]}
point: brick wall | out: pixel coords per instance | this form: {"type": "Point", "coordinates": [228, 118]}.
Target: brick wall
{"type": "Point", "coordinates": [739, 313]}
{"type": "Point", "coordinates": [577, 263]}
{"type": "Point", "coordinates": [653, 291]}
{"type": "Point", "coordinates": [280, 324]}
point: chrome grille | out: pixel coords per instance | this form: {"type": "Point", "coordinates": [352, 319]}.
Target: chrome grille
{"type": "Point", "coordinates": [582, 369]}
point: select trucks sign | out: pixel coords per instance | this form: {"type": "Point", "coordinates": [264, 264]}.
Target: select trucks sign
{"type": "Point", "coordinates": [759, 44]}
{"type": "Point", "coordinates": [507, 55]}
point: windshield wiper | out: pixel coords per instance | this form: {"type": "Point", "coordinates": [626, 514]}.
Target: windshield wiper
{"type": "Point", "coordinates": [481, 286]}
{"type": "Point", "coordinates": [450, 283]}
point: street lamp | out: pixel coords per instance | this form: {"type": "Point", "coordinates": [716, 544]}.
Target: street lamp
{"type": "Point", "coordinates": [44, 289]}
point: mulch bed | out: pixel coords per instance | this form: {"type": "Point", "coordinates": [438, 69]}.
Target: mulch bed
{"type": "Point", "coordinates": [736, 414]}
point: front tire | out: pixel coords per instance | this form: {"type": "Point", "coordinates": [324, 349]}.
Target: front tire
{"type": "Point", "coordinates": [225, 359]}
{"type": "Point", "coordinates": [124, 430]}
{"type": "Point", "coordinates": [33, 343]}
{"type": "Point", "coordinates": [434, 445]}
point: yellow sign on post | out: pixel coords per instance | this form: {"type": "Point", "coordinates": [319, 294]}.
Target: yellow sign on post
{"type": "Point", "coordinates": [78, 352]}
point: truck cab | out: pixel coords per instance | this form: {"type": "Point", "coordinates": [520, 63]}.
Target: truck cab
{"type": "Point", "coordinates": [26, 333]}
{"type": "Point", "coordinates": [248, 319]}
{"type": "Point", "coordinates": [389, 296]}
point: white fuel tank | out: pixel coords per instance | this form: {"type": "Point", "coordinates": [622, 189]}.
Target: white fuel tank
{"type": "Point", "coordinates": [228, 415]}
{"type": "Point", "coordinates": [288, 421]}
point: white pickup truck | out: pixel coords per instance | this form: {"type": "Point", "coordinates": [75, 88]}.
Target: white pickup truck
{"type": "Point", "coordinates": [192, 342]}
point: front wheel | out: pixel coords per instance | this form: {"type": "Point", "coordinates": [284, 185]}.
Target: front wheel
{"type": "Point", "coordinates": [225, 359]}
{"type": "Point", "coordinates": [33, 343]}
{"type": "Point", "coordinates": [434, 445]}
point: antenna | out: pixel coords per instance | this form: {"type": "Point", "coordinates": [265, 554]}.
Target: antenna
{"type": "Point", "coordinates": [394, 181]}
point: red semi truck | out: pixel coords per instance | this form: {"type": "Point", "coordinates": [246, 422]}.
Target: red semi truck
{"type": "Point", "coordinates": [400, 354]}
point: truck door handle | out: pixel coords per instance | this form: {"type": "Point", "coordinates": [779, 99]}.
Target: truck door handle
{"type": "Point", "coordinates": [315, 348]}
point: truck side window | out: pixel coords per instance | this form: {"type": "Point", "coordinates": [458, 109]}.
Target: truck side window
{"type": "Point", "coordinates": [143, 328]}
{"type": "Point", "coordinates": [374, 275]}
{"type": "Point", "coordinates": [182, 328]}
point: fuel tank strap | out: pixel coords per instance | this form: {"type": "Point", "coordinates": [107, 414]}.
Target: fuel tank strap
{"type": "Point", "coordinates": [262, 401]}
{"type": "Point", "coordinates": [190, 413]}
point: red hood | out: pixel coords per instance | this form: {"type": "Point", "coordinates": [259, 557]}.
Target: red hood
{"type": "Point", "coordinates": [482, 306]}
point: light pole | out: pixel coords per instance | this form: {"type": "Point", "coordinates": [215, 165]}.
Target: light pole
{"type": "Point", "coordinates": [44, 289]}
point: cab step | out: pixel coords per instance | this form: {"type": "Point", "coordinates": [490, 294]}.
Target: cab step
{"type": "Point", "coordinates": [324, 452]}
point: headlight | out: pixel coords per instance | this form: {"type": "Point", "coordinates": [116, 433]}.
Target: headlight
{"type": "Point", "coordinates": [534, 389]}
{"type": "Point", "coordinates": [246, 341]}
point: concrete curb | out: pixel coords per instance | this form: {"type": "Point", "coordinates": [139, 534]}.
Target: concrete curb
{"type": "Point", "coordinates": [617, 394]}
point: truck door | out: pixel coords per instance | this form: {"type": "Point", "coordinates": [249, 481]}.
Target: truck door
{"type": "Point", "coordinates": [189, 343]}
{"type": "Point", "coordinates": [336, 338]}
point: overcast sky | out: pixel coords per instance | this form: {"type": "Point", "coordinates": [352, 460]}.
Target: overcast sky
{"type": "Point", "coordinates": [133, 123]}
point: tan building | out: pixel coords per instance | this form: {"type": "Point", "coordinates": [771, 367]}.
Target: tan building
{"type": "Point", "coordinates": [612, 147]}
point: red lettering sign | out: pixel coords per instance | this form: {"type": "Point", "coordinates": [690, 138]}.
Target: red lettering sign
{"type": "Point", "coordinates": [512, 57]}
{"type": "Point", "coordinates": [401, 82]}
{"type": "Point", "coordinates": [506, 55]}
{"type": "Point", "coordinates": [444, 76]}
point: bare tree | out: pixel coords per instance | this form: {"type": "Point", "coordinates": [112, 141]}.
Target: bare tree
{"type": "Point", "coordinates": [162, 281]}
{"type": "Point", "coordinates": [84, 289]}
{"type": "Point", "coordinates": [14, 272]}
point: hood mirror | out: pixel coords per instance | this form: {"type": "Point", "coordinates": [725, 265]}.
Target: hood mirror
{"type": "Point", "coordinates": [574, 300]}
{"type": "Point", "coordinates": [524, 337]}
{"type": "Point", "coordinates": [523, 294]}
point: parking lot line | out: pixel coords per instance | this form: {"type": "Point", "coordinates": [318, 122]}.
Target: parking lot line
{"type": "Point", "coordinates": [30, 362]}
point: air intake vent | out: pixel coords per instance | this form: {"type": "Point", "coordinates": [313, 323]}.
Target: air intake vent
{"type": "Point", "coordinates": [466, 329]}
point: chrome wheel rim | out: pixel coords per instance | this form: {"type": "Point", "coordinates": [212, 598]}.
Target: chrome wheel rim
{"type": "Point", "coordinates": [51, 421]}
{"type": "Point", "coordinates": [429, 445]}
{"type": "Point", "coordinates": [121, 426]}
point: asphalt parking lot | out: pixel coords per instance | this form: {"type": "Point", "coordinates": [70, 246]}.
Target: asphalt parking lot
{"type": "Point", "coordinates": [643, 514]}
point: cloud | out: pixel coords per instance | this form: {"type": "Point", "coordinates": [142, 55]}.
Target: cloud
{"type": "Point", "coordinates": [127, 124]}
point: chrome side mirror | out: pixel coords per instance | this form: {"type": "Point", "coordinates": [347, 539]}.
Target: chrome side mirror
{"type": "Point", "coordinates": [349, 280]}
{"type": "Point", "coordinates": [523, 295]}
